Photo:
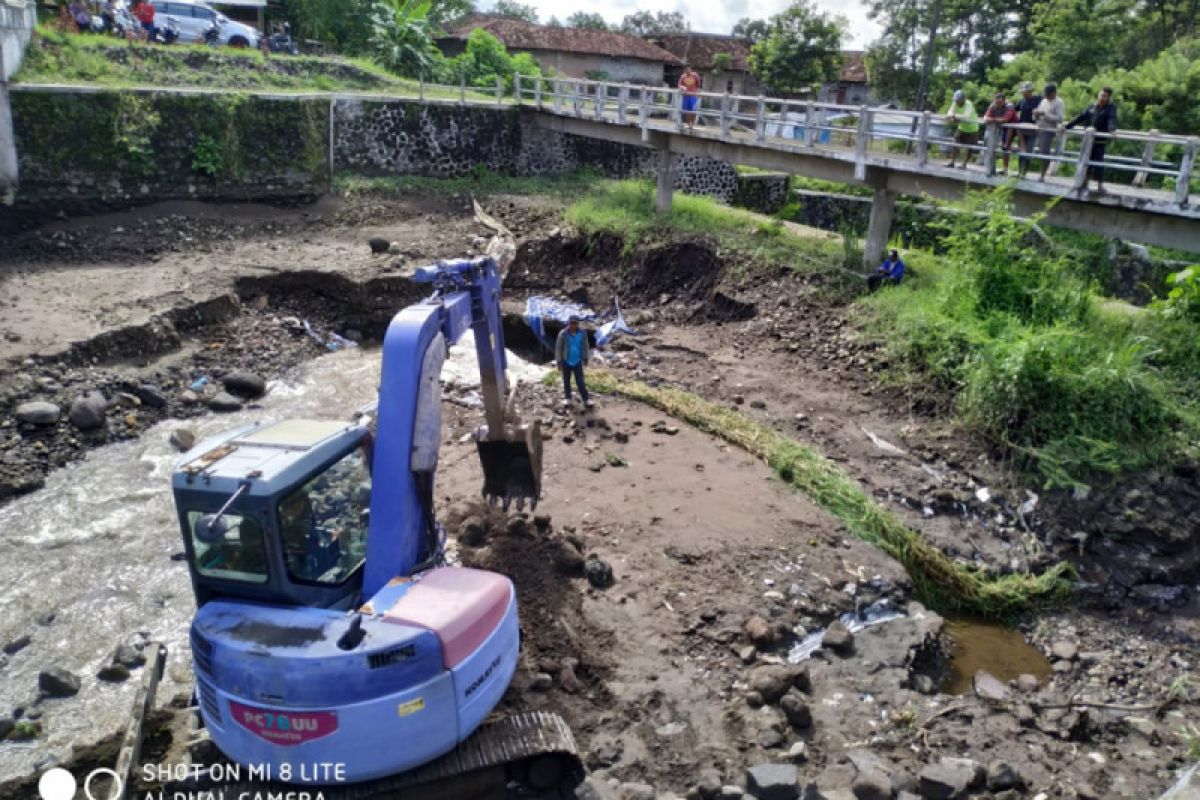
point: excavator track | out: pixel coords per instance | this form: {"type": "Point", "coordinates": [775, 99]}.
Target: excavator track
{"type": "Point", "coordinates": [531, 754]}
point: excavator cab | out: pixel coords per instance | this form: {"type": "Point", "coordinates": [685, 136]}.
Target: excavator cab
{"type": "Point", "coordinates": [278, 512]}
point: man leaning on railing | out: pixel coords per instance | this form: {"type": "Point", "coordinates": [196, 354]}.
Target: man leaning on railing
{"type": "Point", "coordinates": [1101, 116]}
{"type": "Point", "coordinates": [962, 120]}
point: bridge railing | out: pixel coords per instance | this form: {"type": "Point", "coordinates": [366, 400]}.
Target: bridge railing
{"type": "Point", "coordinates": [872, 135]}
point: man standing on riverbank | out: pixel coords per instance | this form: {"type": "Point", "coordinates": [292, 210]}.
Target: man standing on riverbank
{"type": "Point", "coordinates": [689, 84]}
{"type": "Point", "coordinates": [1102, 116]}
{"type": "Point", "coordinates": [962, 120]}
{"type": "Point", "coordinates": [571, 352]}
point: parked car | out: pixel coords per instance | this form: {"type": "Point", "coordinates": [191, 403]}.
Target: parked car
{"type": "Point", "coordinates": [194, 19]}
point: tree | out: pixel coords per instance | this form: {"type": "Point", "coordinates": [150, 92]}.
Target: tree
{"type": "Point", "coordinates": [802, 50]}
{"type": "Point", "coordinates": [443, 11]}
{"type": "Point", "coordinates": [484, 60]}
{"type": "Point", "coordinates": [643, 23]}
{"type": "Point", "coordinates": [582, 19]}
{"type": "Point", "coordinates": [753, 29]}
{"type": "Point", "coordinates": [401, 36]}
{"type": "Point", "coordinates": [553, 22]}
{"type": "Point", "coordinates": [511, 8]}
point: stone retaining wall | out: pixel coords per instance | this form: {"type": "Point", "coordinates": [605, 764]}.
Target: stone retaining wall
{"type": "Point", "coordinates": [84, 150]}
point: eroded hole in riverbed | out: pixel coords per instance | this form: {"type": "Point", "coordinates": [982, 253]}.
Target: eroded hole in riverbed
{"type": "Point", "coordinates": [1002, 652]}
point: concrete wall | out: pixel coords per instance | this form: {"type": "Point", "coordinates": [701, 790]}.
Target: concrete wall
{"type": "Point", "coordinates": [619, 69]}
{"type": "Point", "coordinates": [17, 18]}
{"type": "Point", "coordinates": [854, 94]}
{"type": "Point", "coordinates": [86, 150]}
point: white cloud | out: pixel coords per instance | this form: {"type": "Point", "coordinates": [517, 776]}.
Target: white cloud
{"type": "Point", "coordinates": [711, 17]}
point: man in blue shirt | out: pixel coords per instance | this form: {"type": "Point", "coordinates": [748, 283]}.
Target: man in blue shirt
{"type": "Point", "coordinates": [571, 352]}
{"type": "Point", "coordinates": [892, 269]}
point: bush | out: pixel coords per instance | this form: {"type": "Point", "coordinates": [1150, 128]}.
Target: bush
{"type": "Point", "coordinates": [1007, 329]}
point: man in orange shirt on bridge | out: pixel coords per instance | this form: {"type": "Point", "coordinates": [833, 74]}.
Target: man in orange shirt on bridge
{"type": "Point", "coordinates": [689, 84]}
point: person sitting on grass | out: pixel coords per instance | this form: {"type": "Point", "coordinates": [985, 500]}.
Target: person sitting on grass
{"type": "Point", "coordinates": [892, 269]}
{"type": "Point", "coordinates": [571, 352]}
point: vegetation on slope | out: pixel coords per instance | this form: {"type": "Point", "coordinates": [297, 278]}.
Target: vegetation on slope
{"type": "Point", "coordinates": [56, 57]}
{"type": "Point", "coordinates": [1032, 359]}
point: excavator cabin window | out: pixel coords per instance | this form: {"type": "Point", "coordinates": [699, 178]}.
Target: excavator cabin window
{"type": "Point", "coordinates": [323, 524]}
{"type": "Point", "coordinates": [240, 556]}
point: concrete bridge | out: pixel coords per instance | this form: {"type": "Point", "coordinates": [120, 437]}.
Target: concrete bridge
{"type": "Point", "coordinates": [893, 152]}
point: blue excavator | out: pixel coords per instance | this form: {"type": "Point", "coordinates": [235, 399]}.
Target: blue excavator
{"type": "Point", "coordinates": [331, 644]}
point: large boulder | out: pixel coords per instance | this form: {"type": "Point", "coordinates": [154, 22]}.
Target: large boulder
{"type": "Point", "coordinates": [988, 687]}
{"type": "Point", "coordinates": [58, 682]}
{"type": "Point", "coordinates": [838, 638]}
{"type": "Point", "coordinates": [796, 709]}
{"type": "Point", "coordinates": [151, 396]}
{"type": "Point", "coordinates": [87, 412]}
{"type": "Point", "coordinates": [224, 401]}
{"type": "Point", "coordinates": [773, 781]}
{"type": "Point", "coordinates": [38, 412]}
{"type": "Point", "coordinates": [945, 781]}
{"type": "Point", "coordinates": [873, 784]}
{"type": "Point", "coordinates": [773, 681]}
{"type": "Point", "coordinates": [244, 384]}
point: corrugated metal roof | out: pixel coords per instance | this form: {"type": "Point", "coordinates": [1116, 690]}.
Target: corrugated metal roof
{"type": "Point", "coordinates": [520, 35]}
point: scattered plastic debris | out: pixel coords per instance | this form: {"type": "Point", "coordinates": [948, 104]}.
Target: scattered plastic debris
{"type": "Point", "coordinates": [883, 444]}
{"type": "Point", "coordinates": [982, 494]}
{"type": "Point", "coordinates": [538, 309]}
{"type": "Point", "coordinates": [330, 341]}
{"type": "Point", "coordinates": [877, 613]}
{"type": "Point", "coordinates": [200, 383]}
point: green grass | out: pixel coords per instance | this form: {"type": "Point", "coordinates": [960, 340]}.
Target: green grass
{"type": "Point", "coordinates": [1015, 340]}
{"type": "Point", "coordinates": [479, 182]}
{"type": "Point", "coordinates": [940, 582]}
{"type": "Point", "coordinates": [828, 187]}
{"type": "Point", "coordinates": [626, 209]}
{"type": "Point", "coordinates": [55, 57]}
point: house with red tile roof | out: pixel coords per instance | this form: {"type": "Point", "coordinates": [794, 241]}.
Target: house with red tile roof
{"type": "Point", "coordinates": [571, 52]}
{"type": "Point", "coordinates": [723, 62]}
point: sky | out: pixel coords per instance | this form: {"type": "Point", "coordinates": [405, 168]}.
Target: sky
{"type": "Point", "coordinates": [713, 16]}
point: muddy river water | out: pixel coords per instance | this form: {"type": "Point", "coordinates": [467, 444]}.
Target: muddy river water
{"type": "Point", "coordinates": [86, 564]}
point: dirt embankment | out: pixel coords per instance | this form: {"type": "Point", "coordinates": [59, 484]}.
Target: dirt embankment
{"type": "Point", "coordinates": [673, 676]}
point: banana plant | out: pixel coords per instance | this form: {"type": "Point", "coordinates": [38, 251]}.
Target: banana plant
{"type": "Point", "coordinates": [402, 35]}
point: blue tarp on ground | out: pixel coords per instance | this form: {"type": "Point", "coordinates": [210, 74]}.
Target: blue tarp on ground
{"type": "Point", "coordinates": [538, 309]}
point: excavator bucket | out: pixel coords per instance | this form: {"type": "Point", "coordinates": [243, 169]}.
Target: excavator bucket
{"type": "Point", "coordinates": [512, 465]}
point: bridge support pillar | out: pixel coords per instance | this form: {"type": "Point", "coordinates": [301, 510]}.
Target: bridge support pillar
{"type": "Point", "coordinates": [666, 181]}
{"type": "Point", "coordinates": [8, 149]}
{"type": "Point", "coordinates": [883, 208]}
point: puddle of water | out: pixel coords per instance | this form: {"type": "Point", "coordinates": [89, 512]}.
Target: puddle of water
{"type": "Point", "coordinates": [1003, 652]}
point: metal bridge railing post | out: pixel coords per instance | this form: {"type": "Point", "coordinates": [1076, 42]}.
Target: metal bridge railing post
{"type": "Point", "coordinates": [1139, 179]}
{"type": "Point", "coordinates": [923, 139]}
{"type": "Point", "coordinates": [1183, 185]}
{"type": "Point", "coordinates": [1084, 161]}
